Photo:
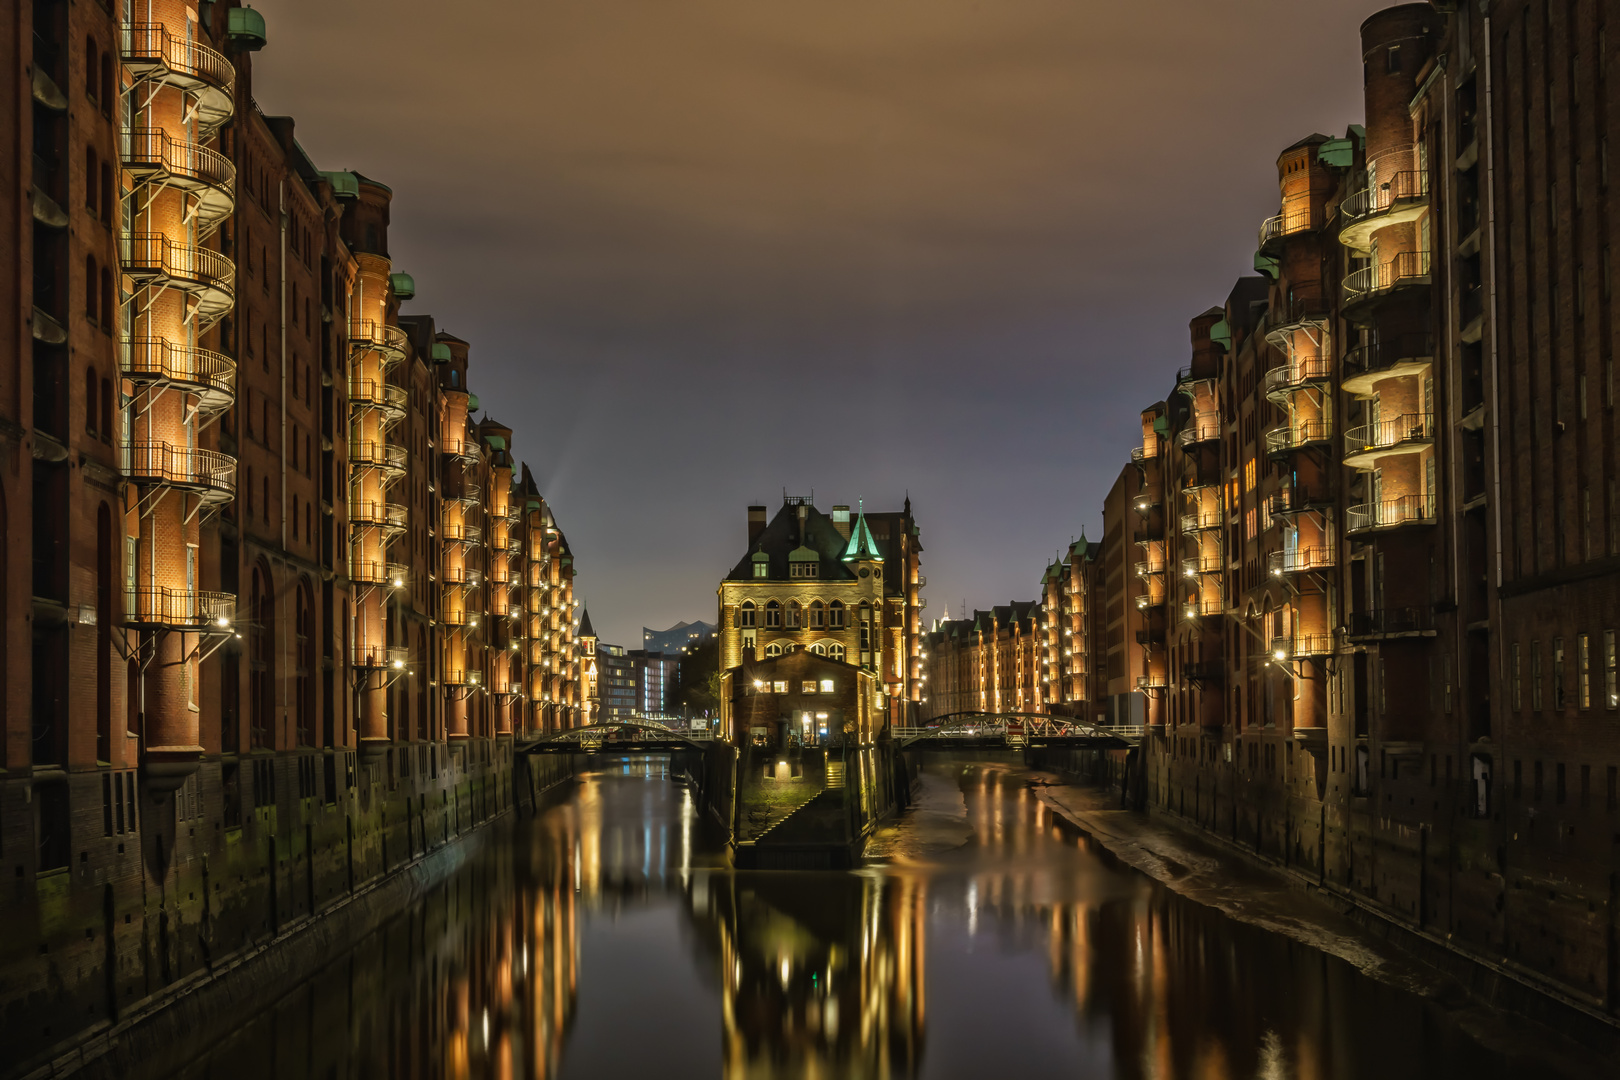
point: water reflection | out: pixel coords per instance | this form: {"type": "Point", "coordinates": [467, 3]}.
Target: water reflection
{"type": "Point", "coordinates": [604, 938]}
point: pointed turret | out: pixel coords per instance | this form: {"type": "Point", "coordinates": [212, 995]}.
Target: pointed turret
{"type": "Point", "coordinates": [861, 547]}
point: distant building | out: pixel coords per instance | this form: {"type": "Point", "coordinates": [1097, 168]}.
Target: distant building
{"type": "Point", "coordinates": [654, 675]}
{"type": "Point", "coordinates": [678, 638]}
{"type": "Point", "coordinates": [616, 682]}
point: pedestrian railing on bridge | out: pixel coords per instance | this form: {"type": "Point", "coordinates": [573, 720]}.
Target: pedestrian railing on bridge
{"type": "Point", "coordinates": [627, 734]}
{"type": "Point", "coordinates": [1018, 730]}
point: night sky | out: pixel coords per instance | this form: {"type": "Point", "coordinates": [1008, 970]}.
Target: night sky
{"type": "Point", "coordinates": [706, 250]}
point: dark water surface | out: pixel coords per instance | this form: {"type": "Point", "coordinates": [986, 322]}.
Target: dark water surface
{"type": "Point", "coordinates": [604, 939]}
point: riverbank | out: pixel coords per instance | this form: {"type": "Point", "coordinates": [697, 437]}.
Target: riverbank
{"type": "Point", "coordinates": [1211, 872]}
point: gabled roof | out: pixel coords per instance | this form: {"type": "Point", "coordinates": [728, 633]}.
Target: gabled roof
{"type": "Point", "coordinates": [782, 538]}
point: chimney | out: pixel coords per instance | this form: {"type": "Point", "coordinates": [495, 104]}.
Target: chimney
{"type": "Point", "coordinates": [756, 523]}
{"type": "Point", "coordinates": [840, 519]}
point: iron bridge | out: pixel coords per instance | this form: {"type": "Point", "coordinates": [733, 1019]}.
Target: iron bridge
{"type": "Point", "coordinates": [629, 736]}
{"type": "Point", "coordinates": [1017, 730]}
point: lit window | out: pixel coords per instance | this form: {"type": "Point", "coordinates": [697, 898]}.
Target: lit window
{"type": "Point", "coordinates": [779, 687]}
{"type": "Point", "coordinates": [762, 569]}
{"type": "Point", "coordinates": [826, 686]}
{"type": "Point", "coordinates": [809, 687]}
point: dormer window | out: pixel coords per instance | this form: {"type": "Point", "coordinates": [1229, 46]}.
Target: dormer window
{"type": "Point", "coordinates": [762, 569]}
{"type": "Point", "coordinates": [804, 569]}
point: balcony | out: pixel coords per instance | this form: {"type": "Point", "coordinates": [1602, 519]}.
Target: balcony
{"type": "Point", "coordinates": [1150, 682]}
{"type": "Point", "coordinates": [1390, 623]}
{"type": "Point", "coordinates": [457, 616]}
{"type": "Point", "coordinates": [459, 677]}
{"type": "Point", "coordinates": [1188, 378]}
{"type": "Point", "coordinates": [1199, 431]}
{"type": "Point", "coordinates": [462, 534]}
{"type": "Point", "coordinates": [206, 276]}
{"type": "Point", "coordinates": [1300, 560]}
{"type": "Point", "coordinates": [461, 575]}
{"type": "Point", "coordinates": [1149, 567]}
{"type": "Point", "coordinates": [1301, 645]}
{"type": "Point", "coordinates": [1140, 454]}
{"type": "Point", "coordinates": [1402, 354]}
{"type": "Point", "coordinates": [1297, 217]}
{"type": "Point", "coordinates": [1298, 436]}
{"type": "Point", "coordinates": [1408, 433]}
{"type": "Point", "coordinates": [1304, 371]}
{"type": "Point", "coordinates": [1202, 564]}
{"type": "Point", "coordinates": [1407, 270]}
{"type": "Point", "coordinates": [390, 517]}
{"type": "Point", "coordinates": [1201, 521]}
{"type": "Point", "coordinates": [465, 449]}
{"type": "Point", "coordinates": [211, 376]}
{"type": "Point", "coordinates": [367, 454]}
{"type": "Point", "coordinates": [1391, 514]}
{"type": "Point", "coordinates": [1150, 636]}
{"type": "Point", "coordinates": [372, 572]}
{"type": "Point", "coordinates": [208, 473]}
{"type": "Point", "coordinates": [1149, 601]}
{"type": "Point", "coordinates": [391, 401]}
{"type": "Point", "coordinates": [150, 52]}
{"type": "Point", "coordinates": [1397, 198]}
{"type": "Point", "coordinates": [1204, 607]}
{"type": "Point", "coordinates": [1298, 500]}
{"type": "Point", "coordinates": [466, 491]}
{"type": "Point", "coordinates": [394, 657]}
{"type": "Point", "coordinates": [370, 335]}
{"type": "Point", "coordinates": [179, 609]}
{"type": "Point", "coordinates": [206, 175]}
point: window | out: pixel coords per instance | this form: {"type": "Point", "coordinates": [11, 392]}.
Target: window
{"type": "Point", "coordinates": [1558, 672]}
{"type": "Point", "coordinates": [773, 615]}
{"type": "Point", "coordinates": [779, 687]}
{"type": "Point", "coordinates": [90, 410]}
{"type": "Point", "coordinates": [818, 615]}
{"type": "Point", "coordinates": [746, 615]}
{"type": "Point", "coordinates": [762, 569]}
{"type": "Point", "coordinates": [1611, 691]}
{"type": "Point", "coordinates": [1583, 670]}
{"type": "Point", "coordinates": [826, 686]}
{"type": "Point", "coordinates": [795, 615]}
{"type": "Point", "coordinates": [1392, 60]}
{"type": "Point", "coordinates": [803, 569]}
{"type": "Point", "coordinates": [836, 652]}
{"type": "Point", "coordinates": [92, 293]}
{"type": "Point", "coordinates": [808, 686]}
{"type": "Point", "coordinates": [835, 615]}
{"type": "Point", "coordinates": [773, 649]}
{"type": "Point", "coordinates": [1535, 676]}
{"type": "Point", "coordinates": [819, 649]}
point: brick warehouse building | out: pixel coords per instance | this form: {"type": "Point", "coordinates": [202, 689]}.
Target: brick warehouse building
{"type": "Point", "coordinates": [283, 599]}
{"type": "Point", "coordinates": [1373, 619]}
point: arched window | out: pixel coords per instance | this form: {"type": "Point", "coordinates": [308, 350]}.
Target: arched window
{"type": "Point", "coordinates": [795, 615]}
{"type": "Point", "coordinates": [835, 652]}
{"type": "Point", "coordinates": [819, 649]}
{"type": "Point", "coordinates": [773, 615]}
{"type": "Point", "coordinates": [91, 412]}
{"type": "Point", "coordinates": [818, 615]}
{"type": "Point", "coordinates": [746, 615]}
{"type": "Point", "coordinates": [773, 649]}
{"type": "Point", "coordinates": [455, 377]}
{"type": "Point", "coordinates": [866, 627]}
{"type": "Point", "coordinates": [92, 67]}
{"type": "Point", "coordinates": [107, 85]}
{"type": "Point", "coordinates": [835, 615]}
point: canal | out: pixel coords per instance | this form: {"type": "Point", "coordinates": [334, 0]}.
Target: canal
{"type": "Point", "coordinates": [604, 938]}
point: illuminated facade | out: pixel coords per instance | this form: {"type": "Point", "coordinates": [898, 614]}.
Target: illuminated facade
{"type": "Point", "coordinates": [228, 572]}
{"type": "Point", "coordinates": [996, 661]}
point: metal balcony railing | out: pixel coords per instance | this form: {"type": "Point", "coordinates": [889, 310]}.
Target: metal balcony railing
{"type": "Point", "coordinates": [1151, 682]}
{"type": "Point", "coordinates": [1204, 606]}
{"type": "Point", "coordinates": [1201, 521]}
{"type": "Point", "coordinates": [1302, 371]}
{"type": "Point", "coordinates": [1300, 560]}
{"type": "Point", "coordinates": [381, 656]}
{"type": "Point", "coordinates": [462, 534]}
{"type": "Point", "coordinates": [1148, 567]}
{"type": "Point", "coordinates": [1201, 564]}
{"type": "Point", "coordinates": [379, 395]}
{"type": "Point", "coordinates": [366, 453]}
{"type": "Point", "coordinates": [1407, 268]}
{"type": "Point", "coordinates": [1298, 215]}
{"type": "Point", "coordinates": [153, 258]}
{"type": "Point", "coordinates": [1140, 454]}
{"type": "Point", "coordinates": [208, 374]}
{"type": "Point", "coordinates": [1388, 353]}
{"type": "Point", "coordinates": [391, 341]}
{"type": "Point", "coordinates": [1199, 430]}
{"type": "Point", "coordinates": [1389, 434]}
{"type": "Point", "coordinates": [1298, 435]}
{"type": "Point", "coordinates": [1407, 186]}
{"type": "Point", "coordinates": [1284, 648]}
{"type": "Point", "coordinates": [152, 155]}
{"type": "Point", "coordinates": [1296, 500]}
{"type": "Point", "coordinates": [1389, 622]}
{"type": "Point", "coordinates": [461, 575]}
{"type": "Point", "coordinates": [368, 512]}
{"type": "Point", "coordinates": [1391, 513]}
{"type": "Point", "coordinates": [149, 48]}
{"type": "Point", "coordinates": [179, 608]}
{"type": "Point", "coordinates": [208, 471]}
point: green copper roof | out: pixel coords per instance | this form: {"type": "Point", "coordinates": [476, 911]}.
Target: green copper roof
{"type": "Point", "coordinates": [497, 441]}
{"type": "Point", "coordinates": [441, 353]}
{"type": "Point", "coordinates": [1266, 264]}
{"type": "Point", "coordinates": [760, 556]}
{"type": "Point", "coordinates": [804, 554]}
{"type": "Point", "coordinates": [1161, 424]}
{"type": "Point", "coordinates": [404, 284]}
{"type": "Point", "coordinates": [246, 29]}
{"type": "Point", "coordinates": [472, 402]}
{"type": "Point", "coordinates": [344, 184]}
{"type": "Point", "coordinates": [1337, 153]}
{"type": "Point", "coordinates": [1221, 334]}
{"type": "Point", "coordinates": [861, 544]}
